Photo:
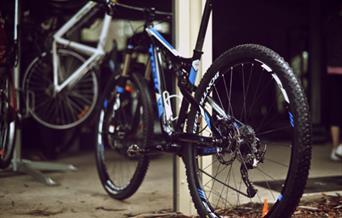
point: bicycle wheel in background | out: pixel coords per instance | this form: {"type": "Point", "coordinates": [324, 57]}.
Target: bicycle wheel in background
{"type": "Point", "coordinates": [267, 150]}
{"type": "Point", "coordinates": [7, 118]}
{"type": "Point", "coordinates": [125, 121]}
{"type": "Point", "coordinates": [72, 105]}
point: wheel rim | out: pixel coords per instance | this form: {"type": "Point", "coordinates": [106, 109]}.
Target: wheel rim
{"type": "Point", "coordinates": [7, 121]}
{"type": "Point", "coordinates": [72, 105]}
{"type": "Point", "coordinates": [251, 99]}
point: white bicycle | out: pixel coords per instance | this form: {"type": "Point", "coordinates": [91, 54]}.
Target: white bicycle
{"type": "Point", "coordinates": [61, 87]}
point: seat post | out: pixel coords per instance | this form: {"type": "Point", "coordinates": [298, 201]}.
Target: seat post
{"type": "Point", "coordinates": [203, 29]}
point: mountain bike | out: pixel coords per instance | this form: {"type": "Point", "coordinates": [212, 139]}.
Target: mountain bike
{"type": "Point", "coordinates": [61, 86]}
{"type": "Point", "coordinates": [244, 129]}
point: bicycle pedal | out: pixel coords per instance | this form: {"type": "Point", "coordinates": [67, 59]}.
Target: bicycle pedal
{"type": "Point", "coordinates": [134, 150]}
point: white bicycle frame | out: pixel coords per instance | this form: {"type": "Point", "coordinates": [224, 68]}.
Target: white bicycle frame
{"type": "Point", "coordinates": [95, 54]}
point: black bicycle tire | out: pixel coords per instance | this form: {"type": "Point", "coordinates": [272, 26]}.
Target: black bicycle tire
{"type": "Point", "coordinates": [6, 160]}
{"type": "Point", "coordinates": [143, 163]}
{"type": "Point", "coordinates": [300, 162]}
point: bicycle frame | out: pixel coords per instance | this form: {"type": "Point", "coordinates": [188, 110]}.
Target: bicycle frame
{"type": "Point", "coordinates": [162, 98]}
{"type": "Point", "coordinates": [95, 54]}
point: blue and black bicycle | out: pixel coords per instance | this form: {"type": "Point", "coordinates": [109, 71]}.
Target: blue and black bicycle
{"type": "Point", "coordinates": [244, 132]}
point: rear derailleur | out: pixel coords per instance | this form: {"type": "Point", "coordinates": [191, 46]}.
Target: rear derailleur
{"type": "Point", "coordinates": [242, 144]}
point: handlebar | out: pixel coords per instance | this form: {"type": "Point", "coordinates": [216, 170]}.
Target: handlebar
{"type": "Point", "coordinates": [150, 13]}
{"type": "Point", "coordinates": [144, 10]}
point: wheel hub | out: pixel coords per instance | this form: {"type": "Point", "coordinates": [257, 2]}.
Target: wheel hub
{"type": "Point", "coordinates": [240, 141]}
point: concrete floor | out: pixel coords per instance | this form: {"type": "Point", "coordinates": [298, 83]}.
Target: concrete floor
{"type": "Point", "coordinates": [80, 193]}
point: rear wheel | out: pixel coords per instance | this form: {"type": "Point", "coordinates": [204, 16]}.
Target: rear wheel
{"type": "Point", "coordinates": [7, 118]}
{"type": "Point", "coordinates": [265, 152]}
{"type": "Point", "coordinates": [124, 125]}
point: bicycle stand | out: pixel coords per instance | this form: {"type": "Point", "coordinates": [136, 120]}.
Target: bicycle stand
{"type": "Point", "coordinates": [35, 168]}
{"type": "Point", "coordinates": [18, 164]}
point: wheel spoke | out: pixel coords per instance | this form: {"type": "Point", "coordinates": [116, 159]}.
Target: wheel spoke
{"type": "Point", "coordinates": [268, 131]}
{"type": "Point", "coordinates": [222, 183]}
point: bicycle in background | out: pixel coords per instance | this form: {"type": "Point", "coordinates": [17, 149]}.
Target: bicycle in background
{"type": "Point", "coordinates": [61, 86]}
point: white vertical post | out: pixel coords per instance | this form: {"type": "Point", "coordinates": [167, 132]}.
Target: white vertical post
{"type": "Point", "coordinates": [206, 61]}
{"type": "Point", "coordinates": [188, 16]}
{"type": "Point", "coordinates": [183, 45]}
